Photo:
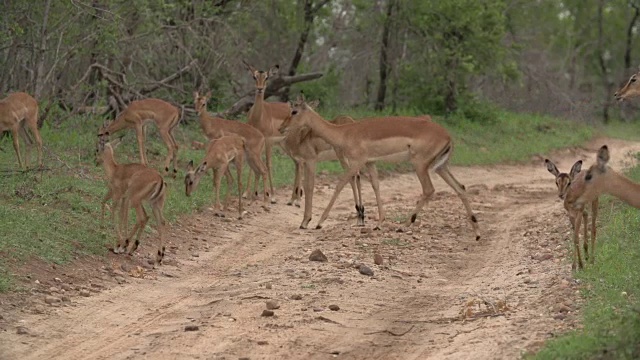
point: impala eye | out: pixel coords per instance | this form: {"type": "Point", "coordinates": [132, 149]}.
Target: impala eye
{"type": "Point", "coordinates": [293, 112]}
{"type": "Point", "coordinates": [633, 79]}
{"type": "Point", "coordinates": [589, 176]}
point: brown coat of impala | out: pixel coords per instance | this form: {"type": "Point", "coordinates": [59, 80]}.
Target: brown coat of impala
{"type": "Point", "coordinates": [267, 117]}
{"type": "Point", "coordinates": [308, 149]}
{"type": "Point", "coordinates": [137, 114]}
{"type": "Point", "coordinates": [219, 154]}
{"type": "Point", "coordinates": [425, 144]}
{"type": "Point", "coordinates": [19, 112]}
{"type": "Point", "coordinates": [215, 127]}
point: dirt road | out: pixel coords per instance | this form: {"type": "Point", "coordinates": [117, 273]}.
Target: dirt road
{"type": "Point", "coordinates": [438, 295]}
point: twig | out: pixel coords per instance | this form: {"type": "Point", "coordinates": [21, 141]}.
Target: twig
{"type": "Point", "coordinates": [328, 320]}
{"type": "Point", "coordinates": [390, 332]}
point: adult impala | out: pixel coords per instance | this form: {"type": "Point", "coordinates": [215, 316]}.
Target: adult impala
{"type": "Point", "coordinates": [630, 89]}
{"type": "Point", "coordinates": [308, 149]}
{"type": "Point", "coordinates": [137, 114]}
{"type": "Point", "coordinates": [19, 111]}
{"type": "Point", "coordinates": [425, 144]}
{"type": "Point", "coordinates": [267, 116]}
{"type": "Point", "coordinates": [568, 187]}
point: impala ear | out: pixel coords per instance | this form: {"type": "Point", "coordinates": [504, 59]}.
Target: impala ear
{"type": "Point", "coordinates": [196, 94]}
{"type": "Point", "coordinates": [551, 167]}
{"type": "Point", "coordinates": [190, 166]}
{"type": "Point", "coordinates": [603, 158]}
{"type": "Point", "coordinates": [313, 104]}
{"type": "Point", "coordinates": [575, 169]}
{"type": "Point", "coordinates": [208, 94]}
{"type": "Point", "coordinates": [202, 167]}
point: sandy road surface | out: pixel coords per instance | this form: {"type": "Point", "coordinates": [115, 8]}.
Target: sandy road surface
{"type": "Point", "coordinates": [438, 295]}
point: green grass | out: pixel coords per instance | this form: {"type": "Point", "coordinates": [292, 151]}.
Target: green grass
{"type": "Point", "coordinates": [623, 130]}
{"type": "Point", "coordinates": [611, 314]}
{"type": "Point", "coordinates": [54, 215]}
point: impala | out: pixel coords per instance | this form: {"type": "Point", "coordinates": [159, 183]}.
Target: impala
{"type": "Point", "coordinates": [266, 116]}
{"type": "Point", "coordinates": [19, 111]}
{"type": "Point", "coordinates": [148, 186]}
{"type": "Point", "coordinates": [308, 149]}
{"type": "Point", "coordinates": [425, 144]}
{"type": "Point", "coordinates": [601, 179]}
{"type": "Point", "coordinates": [215, 127]}
{"type": "Point", "coordinates": [137, 114]}
{"type": "Point", "coordinates": [630, 89]}
{"type": "Point", "coordinates": [219, 154]}
{"type": "Point", "coordinates": [567, 188]}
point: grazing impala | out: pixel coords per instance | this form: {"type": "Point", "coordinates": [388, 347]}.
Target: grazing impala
{"type": "Point", "coordinates": [215, 127]}
{"type": "Point", "coordinates": [267, 116]}
{"type": "Point", "coordinates": [19, 111]}
{"type": "Point", "coordinates": [219, 154]}
{"type": "Point", "coordinates": [425, 144]}
{"type": "Point", "coordinates": [164, 115]}
{"type": "Point", "coordinates": [567, 188]}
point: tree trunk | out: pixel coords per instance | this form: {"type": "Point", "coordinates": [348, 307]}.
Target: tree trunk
{"type": "Point", "coordinates": [384, 56]}
{"type": "Point", "coordinates": [39, 76]}
{"type": "Point", "coordinates": [632, 24]}
{"type": "Point", "coordinates": [309, 16]}
{"type": "Point", "coordinates": [606, 84]}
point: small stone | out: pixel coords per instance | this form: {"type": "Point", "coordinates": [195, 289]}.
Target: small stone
{"type": "Point", "coordinates": [195, 255]}
{"type": "Point", "coordinates": [268, 286]}
{"type": "Point", "coordinates": [316, 309]}
{"type": "Point", "coordinates": [85, 293]}
{"type": "Point", "coordinates": [37, 282]}
{"type": "Point", "coordinates": [66, 298]}
{"type": "Point", "coordinates": [365, 270]}
{"type": "Point", "coordinates": [317, 255]}
{"type": "Point", "coordinates": [191, 328]}
{"type": "Point", "coordinates": [263, 342]}
{"type": "Point", "coordinates": [559, 316]}
{"type": "Point", "coordinates": [624, 293]}
{"type": "Point", "coordinates": [51, 300]}
{"type": "Point", "coordinates": [562, 308]}
{"type": "Point", "coordinates": [38, 309]}
{"type": "Point", "coordinates": [66, 287]}
{"type": "Point", "coordinates": [334, 307]}
{"type": "Point", "coordinates": [267, 313]}
{"type": "Point", "coordinates": [57, 279]}
{"type": "Point", "coordinates": [21, 330]}
{"type": "Point", "coordinates": [377, 259]}
{"type": "Point", "coordinates": [296, 297]}
{"type": "Point", "coordinates": [272, 305]}
{"type": "Point", "coordinates": [53, 290]}
{"type": "Point", "coordinates": [120, 280]}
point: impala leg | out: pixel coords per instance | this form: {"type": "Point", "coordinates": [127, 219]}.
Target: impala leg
{"type": "Point", "coordinates": [427, 190]}
{"type": "Point", "coordinates": [352, 171]}
{"type": "Point", "coordinates": [166, 137]}
{"type": "Point", "coordinates": [594, 215]}
{"type": "Point", "coordinates": [357, 192]}
{"type": "Point", "coordinates": [142, 219]}
{"type": "Point", "coordinates": [576, 241]}
{"type": "Point", "coordinates": [375, 184]}
{"type": "Point", "coordinates": [103, 205]}
{"type": "Point", "coordinates": [27, 144]}
{"type": "Point", "coordinates": [175, 149]}
{"type": "Point", "coordinates": [239, 164]}
{"type": "Point", "coordinates": [160, 225]}
{"type": "Point", "coordinates": [229, 178]}
{"type": "Point", "coordinates": [268, 148]}
{"type": "Point", "coordinates": [308, 183]}
{"type": "Point", "coordinates": [585, 226]}
{"type": "Point", "coordinates": [446, 175]}
{"type": "Point", "coordinates": [140, 138]}
{"type": "Point", "coordinates": [16, 144]}
{"type": "Point", "coordinates": [295, 194]}
{"type": "Point", "coordinates": [32, 123]}
{"type": "Point", "coordinates": [217, 178]}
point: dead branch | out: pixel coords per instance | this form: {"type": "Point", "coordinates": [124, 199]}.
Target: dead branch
{"type": "Point", "coordinates": [390, 332]}
{"type": "Point", "coordinates": [168, 79]}
{"type": "Point", "coordinates": [245, 102]}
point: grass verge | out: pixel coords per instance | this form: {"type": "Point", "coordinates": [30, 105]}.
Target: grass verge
{"type": "Point", "coordinates": [611, 314]}
{"type": "Point", "coordinates": [53, 215]}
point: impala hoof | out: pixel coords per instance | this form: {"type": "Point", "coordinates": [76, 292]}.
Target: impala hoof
{"type": "Point", "coordinates": [477, 237]}
{"type": "Point", "coordinates": [318, 227]}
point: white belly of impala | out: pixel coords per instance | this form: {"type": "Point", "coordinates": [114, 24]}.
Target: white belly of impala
{"type": "Point", "coordinates": [393, 157]}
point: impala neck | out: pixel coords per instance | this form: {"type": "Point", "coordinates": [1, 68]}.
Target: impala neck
{"type": "Point", "coordinates": [258, 108]}
{"type": "Point", "coordinates": [117, 124]}
{"type": "Point", "coordinates": [109, 162]}
{"type": "Point", "coordinates": [624, 189]}
{"type": "Point", "coordinates": [324, 129]}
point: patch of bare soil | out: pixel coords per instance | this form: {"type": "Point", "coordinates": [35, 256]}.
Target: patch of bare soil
{"type": "Point", "coordinates": [246, 288]}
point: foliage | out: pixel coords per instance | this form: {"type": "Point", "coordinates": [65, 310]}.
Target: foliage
{"type": "Point", "coordinates": [611, 314]}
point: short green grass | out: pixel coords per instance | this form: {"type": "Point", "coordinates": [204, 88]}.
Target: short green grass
{"type": "Point", "coordinates": [53, 215]}
{"type": "Point", "coordinates": [611, 314]}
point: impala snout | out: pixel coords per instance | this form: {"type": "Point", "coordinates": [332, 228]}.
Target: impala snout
{"type": "Point", "coordinates": [618, 97]}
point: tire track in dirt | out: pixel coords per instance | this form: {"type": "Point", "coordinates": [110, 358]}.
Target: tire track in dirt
{"type": "Point", "coordinates": [433, 298]}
